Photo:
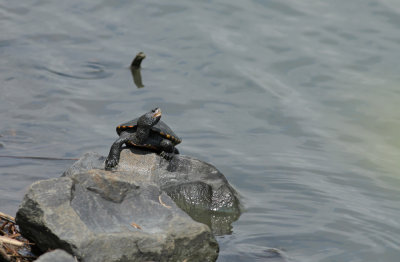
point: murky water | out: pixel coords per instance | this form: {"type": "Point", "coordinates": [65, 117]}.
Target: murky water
{"type": "Point", "coordinates": [296, 102]}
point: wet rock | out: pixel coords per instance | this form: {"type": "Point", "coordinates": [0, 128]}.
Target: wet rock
{"type": "Point", "coordinates": [56, 256]}
{"type": "Point", "coordinates": [197, 187]}
{"type": "Point", "coordinates": [99, 215]}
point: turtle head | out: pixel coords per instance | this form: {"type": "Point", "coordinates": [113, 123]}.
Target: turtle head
{"type": "Point", "coordinates": [150, 118]}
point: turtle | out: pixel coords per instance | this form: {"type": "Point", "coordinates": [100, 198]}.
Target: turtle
{"type": "Point", "coordinates": [148, 132]}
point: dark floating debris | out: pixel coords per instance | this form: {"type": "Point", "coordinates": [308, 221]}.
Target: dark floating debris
{"type": "Point", "coordinates": [135, 69]}
{"type": "Point", "coordinates": [138, 60]}
{"type": "Point", "coordinates": [13, 247]}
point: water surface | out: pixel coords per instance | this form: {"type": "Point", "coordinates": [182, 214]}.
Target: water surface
{"type": "Point", "coordinates": [296, 102]}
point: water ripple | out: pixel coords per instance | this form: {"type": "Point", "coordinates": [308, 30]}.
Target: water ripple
{"type": "Point", "coordinates": [88, 70]}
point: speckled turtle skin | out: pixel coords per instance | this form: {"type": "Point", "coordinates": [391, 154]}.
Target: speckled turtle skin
{"type": "Point", "coordinates": [148, 132]}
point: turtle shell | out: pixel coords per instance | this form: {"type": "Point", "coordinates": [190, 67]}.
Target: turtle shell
{"type": "Point", "coordinates": [160, 128]}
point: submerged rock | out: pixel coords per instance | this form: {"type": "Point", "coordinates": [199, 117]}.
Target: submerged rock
{"type": "Point", "coordinates": [131, 213]}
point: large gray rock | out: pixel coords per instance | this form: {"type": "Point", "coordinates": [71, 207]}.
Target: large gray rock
{"type": "Point", "coordinates": [104, 216]}
{"type": "Point", "coordinates": [56, 256]}
{"type": "Point", "coordinates": [132, 213]}
{"type": "Point", "coordinates": [197, 187]}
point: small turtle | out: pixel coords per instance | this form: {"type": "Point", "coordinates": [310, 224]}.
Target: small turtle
{"type": "Point", "coordinates": [146, 132]}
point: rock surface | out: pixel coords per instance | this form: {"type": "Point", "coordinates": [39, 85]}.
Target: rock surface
{"type": "Point", "coordinates": [197, 187]}
{"type": "Point", "coordinates": [57, 255]}
{"type": "Point", "coordinates": [127, 214]}
{"type": "Point", "coordinates": [101, 216]}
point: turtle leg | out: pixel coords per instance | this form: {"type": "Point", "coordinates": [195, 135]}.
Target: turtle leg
{"type": "Point", "coordinates": [115, 150]}
{"type": "Point", "coordinates": [167, 149]}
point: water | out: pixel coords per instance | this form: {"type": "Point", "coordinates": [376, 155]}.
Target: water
{"type": "Point", "coordinates": [296, 102]}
